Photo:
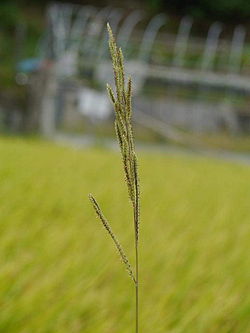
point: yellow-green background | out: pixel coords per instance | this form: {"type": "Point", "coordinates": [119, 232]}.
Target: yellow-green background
{"type": "Point", "coordinates": [59, 271]}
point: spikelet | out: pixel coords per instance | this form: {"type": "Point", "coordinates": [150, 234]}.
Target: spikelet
{"type": "Point", "coordinates": [123, 127]}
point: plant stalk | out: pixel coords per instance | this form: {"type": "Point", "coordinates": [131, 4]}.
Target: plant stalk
{"type": "Point", "coordinates": [136, 288]}
{"type": "Point", "coordinates": [136, 223]}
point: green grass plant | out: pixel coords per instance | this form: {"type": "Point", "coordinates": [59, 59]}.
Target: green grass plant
{"type": "Point", "coordinates": [124, 133]}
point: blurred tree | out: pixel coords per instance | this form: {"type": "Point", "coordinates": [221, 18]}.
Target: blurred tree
{"type": "Point", "coordinates": [234, 10]}
{"type": "Point", "coordinates": [9, 14]}
{"type": "Point", "coordinates": [219, 9]}
{"type": "Point", "coordinates": [227, 8]}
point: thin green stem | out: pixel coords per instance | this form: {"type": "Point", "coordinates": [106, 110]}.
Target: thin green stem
{"type": "Point", "coordinates": [136, 224]}
{"type": "Point", "coordinates": [136, 288]}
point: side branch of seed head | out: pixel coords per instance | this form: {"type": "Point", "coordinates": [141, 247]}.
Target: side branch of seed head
{"type": "Point", "coordinates": [112, 235]}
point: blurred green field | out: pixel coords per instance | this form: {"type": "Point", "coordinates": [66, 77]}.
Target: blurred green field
{"type": "Point", "coordinates": [59, 271]}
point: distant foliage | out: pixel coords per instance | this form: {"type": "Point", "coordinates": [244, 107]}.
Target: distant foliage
{"type": "Point", "coordinates": [220, 9]}
{"type": "Point", "coordinates": [9, 14]}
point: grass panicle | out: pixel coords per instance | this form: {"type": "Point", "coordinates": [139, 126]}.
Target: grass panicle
{"type": "Point", "coordinates": [123, 126]}
{"type": "Point", "coordinates": [121, 101]}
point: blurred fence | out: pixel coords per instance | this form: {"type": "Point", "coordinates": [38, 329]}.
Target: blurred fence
{"type": "Point", "coordinates": [180, 81]}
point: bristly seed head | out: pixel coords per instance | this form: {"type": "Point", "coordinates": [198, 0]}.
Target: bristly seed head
{"type": "Point", "coordinates": [123, 126]}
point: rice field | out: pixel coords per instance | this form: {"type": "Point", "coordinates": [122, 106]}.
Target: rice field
{"type": "Point", "coordinates": [59, 271]}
